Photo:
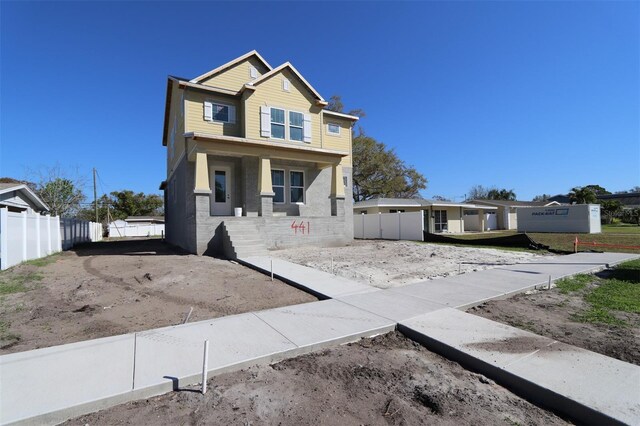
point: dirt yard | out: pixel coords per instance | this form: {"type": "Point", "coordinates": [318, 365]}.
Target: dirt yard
{"type": "Point", "coordinates": [578, 313]}
{"type": "Point", "coordinates": [386, 264]}
{"type": "Point", "coordinates": [118, 287]}
{"type": "Point", "coordinates": [387, 380]}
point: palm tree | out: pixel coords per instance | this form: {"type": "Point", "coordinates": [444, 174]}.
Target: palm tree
{"type": "Point", "coordinates": [582, 195]}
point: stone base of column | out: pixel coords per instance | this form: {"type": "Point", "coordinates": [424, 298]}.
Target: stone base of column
{"type": "Point", "coordinates": [266, 204]}
{"type": "Point", "coordinates": [337, 206]}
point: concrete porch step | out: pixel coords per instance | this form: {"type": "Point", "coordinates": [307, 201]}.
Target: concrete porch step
{"type": "Point", "coordinates": [244, 239]}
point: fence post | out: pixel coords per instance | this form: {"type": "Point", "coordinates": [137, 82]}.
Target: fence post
{"type": "Point", "coordinates": [575, 245]}
{"type": "Point", "coordinates": [59, 242]}
{"type": "Point", "coordinates": [24, 235]}
{"type": "Point", "coordinates": [48, 234]}
{"type": "Point", "coordinates": [4, 238]}
{"type": "Point", "coordinates": [38, 236]}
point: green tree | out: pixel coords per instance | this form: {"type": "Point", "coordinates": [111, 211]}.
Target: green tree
{"type": "Point", "coordinates": [501, 194]}
{"type": "Point", "coordinates": [440, 198]}
{"type": "Point", "coordinates": [478, 192]}
{"type": "Point", "coordinates": [127, 203]}
{"type": "Point", "coordinates": [61, 195]}
{"type": "Point", "coordinates": [542, 198]}
{"type": "Point", "coordinates": [610, 209]}
{"type": "Point", "coordinates": [378, 172]}
{"type": "Point", "coordinates": [598, 190]}
{"type": "Point", "coordinates": [582, 195]}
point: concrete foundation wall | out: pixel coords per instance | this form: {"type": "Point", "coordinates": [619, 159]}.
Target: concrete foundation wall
{"type": "Point", "coordinates": [276, 232]}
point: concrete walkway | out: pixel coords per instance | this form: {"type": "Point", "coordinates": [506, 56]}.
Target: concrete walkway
{"type": "Point", "coordinates": [53, 384]}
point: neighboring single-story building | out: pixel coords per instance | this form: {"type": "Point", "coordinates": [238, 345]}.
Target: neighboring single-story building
{"type": "Point", "coordinates": [506, 217]}
{"type": "Point", "coordinates": [630, 200]}
{"type": "Point", "coordinates": [18, 197]}
{"type": "Point", "coordinates": [442, 216]}
{"type": "Point", "coordinates": [137, 226]}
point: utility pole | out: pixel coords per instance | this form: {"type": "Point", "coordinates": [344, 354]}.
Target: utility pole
{"type": "Point", "coordinates": [95, 196]}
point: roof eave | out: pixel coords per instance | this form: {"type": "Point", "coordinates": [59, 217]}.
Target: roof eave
{"type": "Point", "coordinates": [266, 76]}
{"type": "Point", "coordinates": [229, 64]}
{"type": "Point", "coordinates": [340, 114]}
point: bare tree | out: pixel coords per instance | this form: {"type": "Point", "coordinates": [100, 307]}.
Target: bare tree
{"type": "Point", "coordinates": [60, 189]}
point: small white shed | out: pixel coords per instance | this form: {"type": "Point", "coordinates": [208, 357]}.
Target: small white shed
{"type": "Point", "coordinates": [582, 218]}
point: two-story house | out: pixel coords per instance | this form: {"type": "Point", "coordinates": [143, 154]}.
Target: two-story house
{"type": "Point", "coordinates": [249, 140]}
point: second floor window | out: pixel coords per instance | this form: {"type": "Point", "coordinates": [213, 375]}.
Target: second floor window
{"type": "Point", "coordinates": [277, 123]}
{"type": "Point", "coordinates": [219, 112]}
{"type": "Point", "coordinates": [296, 121]}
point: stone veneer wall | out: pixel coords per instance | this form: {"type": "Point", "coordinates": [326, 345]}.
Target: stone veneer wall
{"type": "Point", "coordinates": [190, 225]}
{"type": "Point", "coordinates": [180, 207]}
{"type": "Point", "coordinates": [276, 232]}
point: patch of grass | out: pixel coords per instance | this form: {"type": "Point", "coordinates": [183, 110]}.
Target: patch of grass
{"type": "Point", "coordinates": [616, 295]}
{"type": "Point", "coordinates": [621, 228]}
{"type": "Point", "coordinates": [44, 261]}
{"type": "Point", "coordinates": [561, 241]}
{"type": "Point", "coordinates": [575, 283]}
{"type": "Point", "coordinates": [5, 336]}
{"type": "Point", "coordinates": [598, 315]}
{"type": "Point", "coordinates": [18, 283]}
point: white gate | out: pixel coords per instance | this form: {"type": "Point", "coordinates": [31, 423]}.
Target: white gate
{"type": "Point", "coordinates": [389, 226]}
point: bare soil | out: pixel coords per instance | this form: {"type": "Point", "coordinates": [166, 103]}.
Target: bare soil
{"type": "Point", "coordinates": [387, 380]}
{"type": "Point", "coordinates": [117, 287]}
{"type": "Point", "coordinates": [550, 313]}
{"type": "Point", "coordinates": [386, 264]}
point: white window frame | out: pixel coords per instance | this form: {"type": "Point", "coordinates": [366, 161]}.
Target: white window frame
{"type": "Point", "coordinates": [283, 186]}
{"type": "Point", "coordinates": [289, 125]}
{"type": "Point", "coordinates": [304, 192]}
{"type": "Point", "coordinates": [329, 132]}
{"type": "Point", "coordinates": [229, 106]}
{"type": "Point", "coordinates": [271, 122]}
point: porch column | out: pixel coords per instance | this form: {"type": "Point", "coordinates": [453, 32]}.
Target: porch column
{"type": "Point", "coordinates": [265, 188]}
{"type": "Point", "coordinates": [201, 185]}
{"type": "Point", "coordinates": [202, 201]}
{"type": "Point", "coordinates": [337, 191]}
{"type": "Point", "coordinates": [481, 219]}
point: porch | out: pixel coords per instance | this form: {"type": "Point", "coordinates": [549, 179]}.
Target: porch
{"type": "Point", "coordinates": [261, 179]}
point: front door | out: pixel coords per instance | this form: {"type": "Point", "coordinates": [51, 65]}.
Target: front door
{"type": "Point", "coordinates": [221, 191]}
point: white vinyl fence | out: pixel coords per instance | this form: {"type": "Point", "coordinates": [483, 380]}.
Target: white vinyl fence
{"type": "Point", "coordinates": [121, 229]}
{"type": "Point", "coordinates": [389, 226]}
{"type": "Point", "coordinates": [74, 231]}
{"type": "Point", "coordinates": [25, 236]}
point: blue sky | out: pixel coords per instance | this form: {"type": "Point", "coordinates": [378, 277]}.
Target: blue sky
{"type": "Point", "coordinates": [537, 97]}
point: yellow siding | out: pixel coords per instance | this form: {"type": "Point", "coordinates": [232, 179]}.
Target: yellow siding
{"type": "Point", "coordinates": [195, 122]}
{"type": "Point", "coordinates": [341, 142]}
{"type": "Point", "coordinates": [235, 77]}
{"type": "Point", "coordinates": [298, 98]}
{"type": "Point", "coordinates": [175, 140]}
